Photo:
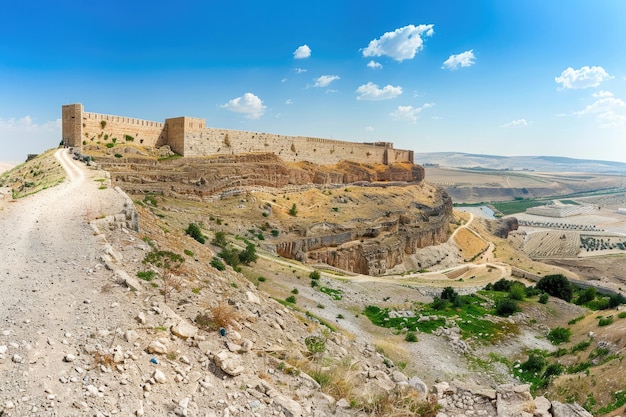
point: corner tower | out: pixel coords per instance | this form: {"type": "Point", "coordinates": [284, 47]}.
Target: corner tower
{"type": "Point", "coordinates": [183, 132]}
{"type": "Point", "coordinates": [72, 127]}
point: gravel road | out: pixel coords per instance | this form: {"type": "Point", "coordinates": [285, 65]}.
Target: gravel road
{"type": "Point", "coordinates": [50, 277]}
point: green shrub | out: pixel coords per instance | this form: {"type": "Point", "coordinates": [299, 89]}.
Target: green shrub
{"type": "Point", "coordinates": [559, 335]}
{"type": "Point", "coordinates": [218, 264]}
{"type": "Point", "coordinates": [517, 291]}
{"type": "Point", "coordinates": [543, 298]}
{"type": "Point", "coordinates": [261, 279]}
{"type": "Point", "coordinates": [146, 275]}
{"type": "Point", "coordinates": [439, 304]}
{"type": "Point", "coordinates": [586, 296]}
{"type": "Point", "coordinates": [291, 299]}
{"type": "Point", "coordinates": [605, 321]}
{"type": "Point", "coordinates": [579, 347]}
{"type": "Point", "coordinates": [505, 307]}
{"type": "Point", "coordinates": [118, 155]}
{"type": "Point", "coordinates": [230, 256]}
{"type": "Point", "coordinates": [295, 291]}
{"type": "Point", "coordinates": [188, 252]}
{"type": "Point", "coordinates": [248, 255]}
{"type": "Point", "coordinates": [274, 233]}
{"type": "Point", "coordinates": [110, 145]}
{"type": "Point", "coordinates": [411, 337]}
{"type": "Point", "coordinates": [194, 231]}
{"type": "Point", "coordinates": [502, 285]}
{"type": "Point", "coordinates": [622, 315]}
{"type": "Point", "coordinates": [554, 369]}
{"type": "Point", "coordinates": [315, 344]}
{"type": "Point", "coordinates": [293, 211]}
{"type": "Point", "coordinates": [219, 239]}
{"type": "Point", "coordinates": [534, 364]}
{"type": "Point", "coordinates": [315, 275]}
{"type": "Point", "coordinates": [314, 283]}
{"type": "Point", "coordinates": [557, 286]}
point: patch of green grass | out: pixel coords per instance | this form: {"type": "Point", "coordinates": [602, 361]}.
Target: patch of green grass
{"type": "Point", "coordinates": [468, 312]}
{"type": "Point", "coordinates": [146, 275]}
{"type": "Point", "coordinates": [518, 206]}
{"type": "Point", "coordinates": [619, 399]}
{"type": "Point", "coordinates": [605, 321]}
{"type": "Point", "coordinates": [332, 293]}
{"type": "Point", "coordinates": [579, 347]}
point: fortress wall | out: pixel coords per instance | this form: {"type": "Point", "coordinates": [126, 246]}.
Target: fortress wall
{"type": "Point", "coordinates": [143, 132]}
{"type": "Point", "coordinates": [210, 141]}
{"type": "Point", "coordinates": [189, 136]}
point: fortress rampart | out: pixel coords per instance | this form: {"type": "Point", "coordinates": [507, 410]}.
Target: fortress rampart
{"type": "Point", "coordinates": [189, 136]}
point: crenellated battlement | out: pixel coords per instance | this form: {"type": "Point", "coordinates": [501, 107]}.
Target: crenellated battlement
{"type": "Point", "coordinates": [189, 136]}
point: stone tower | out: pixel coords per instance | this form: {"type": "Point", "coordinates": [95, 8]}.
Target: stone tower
{"type": "Point", "coordinates": [72, 130]}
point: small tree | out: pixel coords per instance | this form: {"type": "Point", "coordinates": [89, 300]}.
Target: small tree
{"type": "Point", "coordinates": [220, 239]}
{"type": "Point", "coordinates": [517, 291]}
{"type": "Point", "coordinates": [194, 231]}
{"type": "Point", "coordinates": [506, 306]}
{"type": "Point", "coordinates": [556, 286]}
{"type": "Point", "coordinates": [103, 124]}
{"type": "Point", "coordinates": [293, 211]}
{"type": "Point", "coordinates": [167, 262]}
{"type": "Point", "coordinates": [248, 255]}
{"type": "Point", "coordinates": [559, 335]}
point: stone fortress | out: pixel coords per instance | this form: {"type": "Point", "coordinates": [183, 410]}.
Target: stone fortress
{"type": "Point", "coordinates": [190, 137]}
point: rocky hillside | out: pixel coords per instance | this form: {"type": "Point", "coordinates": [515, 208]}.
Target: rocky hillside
{"type": "Point", "coordinates": [407, 215]}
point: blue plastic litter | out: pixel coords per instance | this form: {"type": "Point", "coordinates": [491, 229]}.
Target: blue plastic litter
{"type": "Point", "coordinates": [222, 331]}
{"type": "Point", "coordinates": [154, 361]}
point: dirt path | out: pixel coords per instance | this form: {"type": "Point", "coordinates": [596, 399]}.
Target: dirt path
{"type": "Point", "coordinates": [50, 278]}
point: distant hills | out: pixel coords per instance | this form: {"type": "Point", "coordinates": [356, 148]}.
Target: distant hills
{"type": "Point", "coordinates": [519, 163]}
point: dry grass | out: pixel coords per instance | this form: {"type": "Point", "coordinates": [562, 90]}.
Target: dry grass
{"type": "Point", "coordinates": [104, 359]}
{"type": "Point", "coordinates": [224, 315]}
{"type": "Point", "coordinates": [470, 243]}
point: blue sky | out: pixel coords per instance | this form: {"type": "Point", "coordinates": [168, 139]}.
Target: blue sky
{"type": "Point", "coordinates": [514, 77]}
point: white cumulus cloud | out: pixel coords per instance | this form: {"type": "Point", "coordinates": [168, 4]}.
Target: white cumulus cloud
{"type": "Point", "coordinates": [516, 123]}
{"type": "Point", "coordinates": [248, 104]}
{"type": "Point", "coordinates": [602, 93]}
{"type": "Point", "coordinates": [369, 128]}
{"type": "Point", "coordinates": [608, 111]}
{"type": "Point", "coordinates": [300, 70]}
{"type": "Point", "coordinates": [289, 101]}
{"type": "Point", "coordinates": [370, 91]}
{"type": "Point", "coordinates": [374, 64]}
{"type": "Point", "coordinates": [409, 113]}
{"type": "Point", "coordinates": [26, 123]}
{"type": "Point", "coordinates": [584, 77]}
{"type": "Point", "coordinates": [302, 52]}
{"type": "Point", "coordinates": [401, 44]}
{"type": "Point", "coordinates": [325, 80]}
{"type": "Point", "coordinates": [464, 59]}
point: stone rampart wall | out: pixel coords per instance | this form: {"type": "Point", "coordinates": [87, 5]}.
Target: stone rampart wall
{"type": "Point", "coordinates": [289, 148]}
{"type": "Point", "coordinates": [142, 132]}
{"type": "Point", "coordinates": [189, 136]}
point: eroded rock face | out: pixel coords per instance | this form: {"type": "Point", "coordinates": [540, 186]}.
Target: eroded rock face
{"type": "Point", "coordinates": [201, 178]}
{"type": "Point", "coordinates": [502, 227]}
{"type": "Point", "coordinates": [373, 253]}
